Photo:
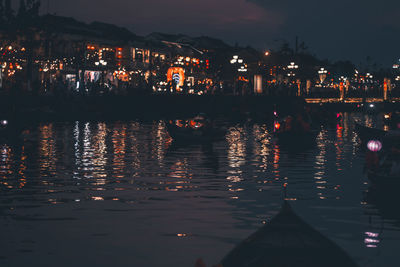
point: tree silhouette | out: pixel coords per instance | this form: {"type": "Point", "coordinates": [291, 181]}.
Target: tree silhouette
{"type": "Point", "coordinates": [20, 30]}
{"type": "Point", "coordinates": [22, 9]}
{"type": "Point", "coordinates": [8, 11]}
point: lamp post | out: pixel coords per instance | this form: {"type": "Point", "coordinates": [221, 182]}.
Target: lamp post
{"type": "Point", "coordinates": [101, 63]}
{"type": "Point", "coordinates": [292, 67]}
{"type": "Point", "coordinates": [322, 74]}
{"type": "Point", "coordinates": [345, 82]}
{"type": "Point", "coordinates": [241, 66]}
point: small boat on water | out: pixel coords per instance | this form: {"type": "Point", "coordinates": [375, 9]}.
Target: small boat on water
{"type": "Point", "coordinates": [287, 241]}
{"type": "Point", "coordinates": [385, 200]}
{"type": "Point", "coordinates": [367, 133]}
{"type": "Point", "coordinates": [387, 171]}
{"type": "Point", "coordinates": [194, 130]}
{"type": "Point", "coordinates": [295, 131]}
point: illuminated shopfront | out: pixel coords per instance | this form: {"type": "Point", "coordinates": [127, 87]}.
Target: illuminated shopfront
{"type": "Point", "coordinates": [177, 76]}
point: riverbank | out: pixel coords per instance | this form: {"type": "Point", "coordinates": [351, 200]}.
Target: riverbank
{"type": "Point", "coordinates": [159, 106]}
{"type": "Point", "coordinates": [142, 106]}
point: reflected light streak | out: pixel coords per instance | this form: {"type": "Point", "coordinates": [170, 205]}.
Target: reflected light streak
{"type": "Point", "coordinates": [159, 142]}
{"type": "Point", "coordinates": [371, 240]}
{"type": "Point", "coordinates": [47, 151]}
{"type": "Point", "coordinates": [119, 144]}
{"type": "Point", "coordinates": [339, 146]}
{"type": "Point", "coordinates": [320, 164]}
{"type": "Point", "coordinates": [261, 144]}
{"type": "Point", "coordinates": [5, 166]}
{"type": "Point", "coordinates": [277, 157]}
{"type": "Point", "coordinates": [22, 169]}
{"type": "Point", "coordinates": [236, 156]}
{"type": "Point", "coordinates": [77, 151]}
{"type": "Point", "coordinates": [136, 163]}
{"type": "Point", "coordinates": [99, 161]}
{"type": "Point", "coordinates": [237, 147]}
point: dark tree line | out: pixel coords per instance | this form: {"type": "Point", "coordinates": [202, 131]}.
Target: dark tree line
{"type": "Point", "coordinates": [27, 11]}
{"type": "Point", "coordinates": [18, 28]}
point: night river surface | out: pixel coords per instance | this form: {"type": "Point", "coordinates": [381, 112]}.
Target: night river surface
{"type": "Point", "coordinates": [123, 194]}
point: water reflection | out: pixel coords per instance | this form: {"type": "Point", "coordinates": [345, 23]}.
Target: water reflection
{"type": "Point", "coordinates": [371, 239]}
{"type": "Point", "coordinates": [134, 149]}
{"type": "Point", "coordinates": [134, 170]}
{"type": "Point", "coordinates": [276, 169]}
{"type": "Point", "coordinates": [160, 141]}
{"type": "Point", "coordinates": [6, 167]}
{"type": "Point", "coordinates": [261, 145]}
{"type": "Point", "coordinates": [100, 152]}
{"type": "Point", "coordinates": [320, 165]}
{"type": "Point", "coordinates": [236, 139]}
{"type": "Point", "coordinates": [47, 151]}
{"type": "Point", "coordinates": [118, 140]}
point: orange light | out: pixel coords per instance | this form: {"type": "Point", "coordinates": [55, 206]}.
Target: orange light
{"type": "Point", "coordinates": [277, 125]}
{"type": "Point", "coordinates": [176, 71]}
{"type": "Point", "coordinates": [180, 123]}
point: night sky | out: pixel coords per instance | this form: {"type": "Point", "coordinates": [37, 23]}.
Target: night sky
{"type": "Point", "coordinates": [338, 29]}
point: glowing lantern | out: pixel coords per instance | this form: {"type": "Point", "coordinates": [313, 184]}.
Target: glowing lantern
{"type": "Point", "coordinates": [374, 145]}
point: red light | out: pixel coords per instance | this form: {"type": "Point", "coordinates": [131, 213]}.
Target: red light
{"type": "Point", "coordinates": [277, 125]}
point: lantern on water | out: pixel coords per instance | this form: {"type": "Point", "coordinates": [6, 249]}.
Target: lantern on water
{"type": "Point", "coordinates": [374, 145]}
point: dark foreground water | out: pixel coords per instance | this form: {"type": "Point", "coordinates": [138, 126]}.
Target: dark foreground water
{"type": "Point", "coordinates": [123, 194]}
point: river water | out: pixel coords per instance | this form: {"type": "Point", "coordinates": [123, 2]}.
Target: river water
{"type": "Point", "coordinates": [122, 193]}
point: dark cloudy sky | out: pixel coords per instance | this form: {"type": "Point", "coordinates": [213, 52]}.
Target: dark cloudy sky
{"type": "Point", "coordinates": [340, 29]}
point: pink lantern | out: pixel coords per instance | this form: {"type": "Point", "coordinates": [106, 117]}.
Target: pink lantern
{"type": "Point", "coordinates": [374, 145]}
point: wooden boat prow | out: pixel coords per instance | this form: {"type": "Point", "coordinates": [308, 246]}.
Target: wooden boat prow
{"type": "Point", "coordinates": [287, 241]}
{"type": "Point", "coordinates": [367, 133]}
